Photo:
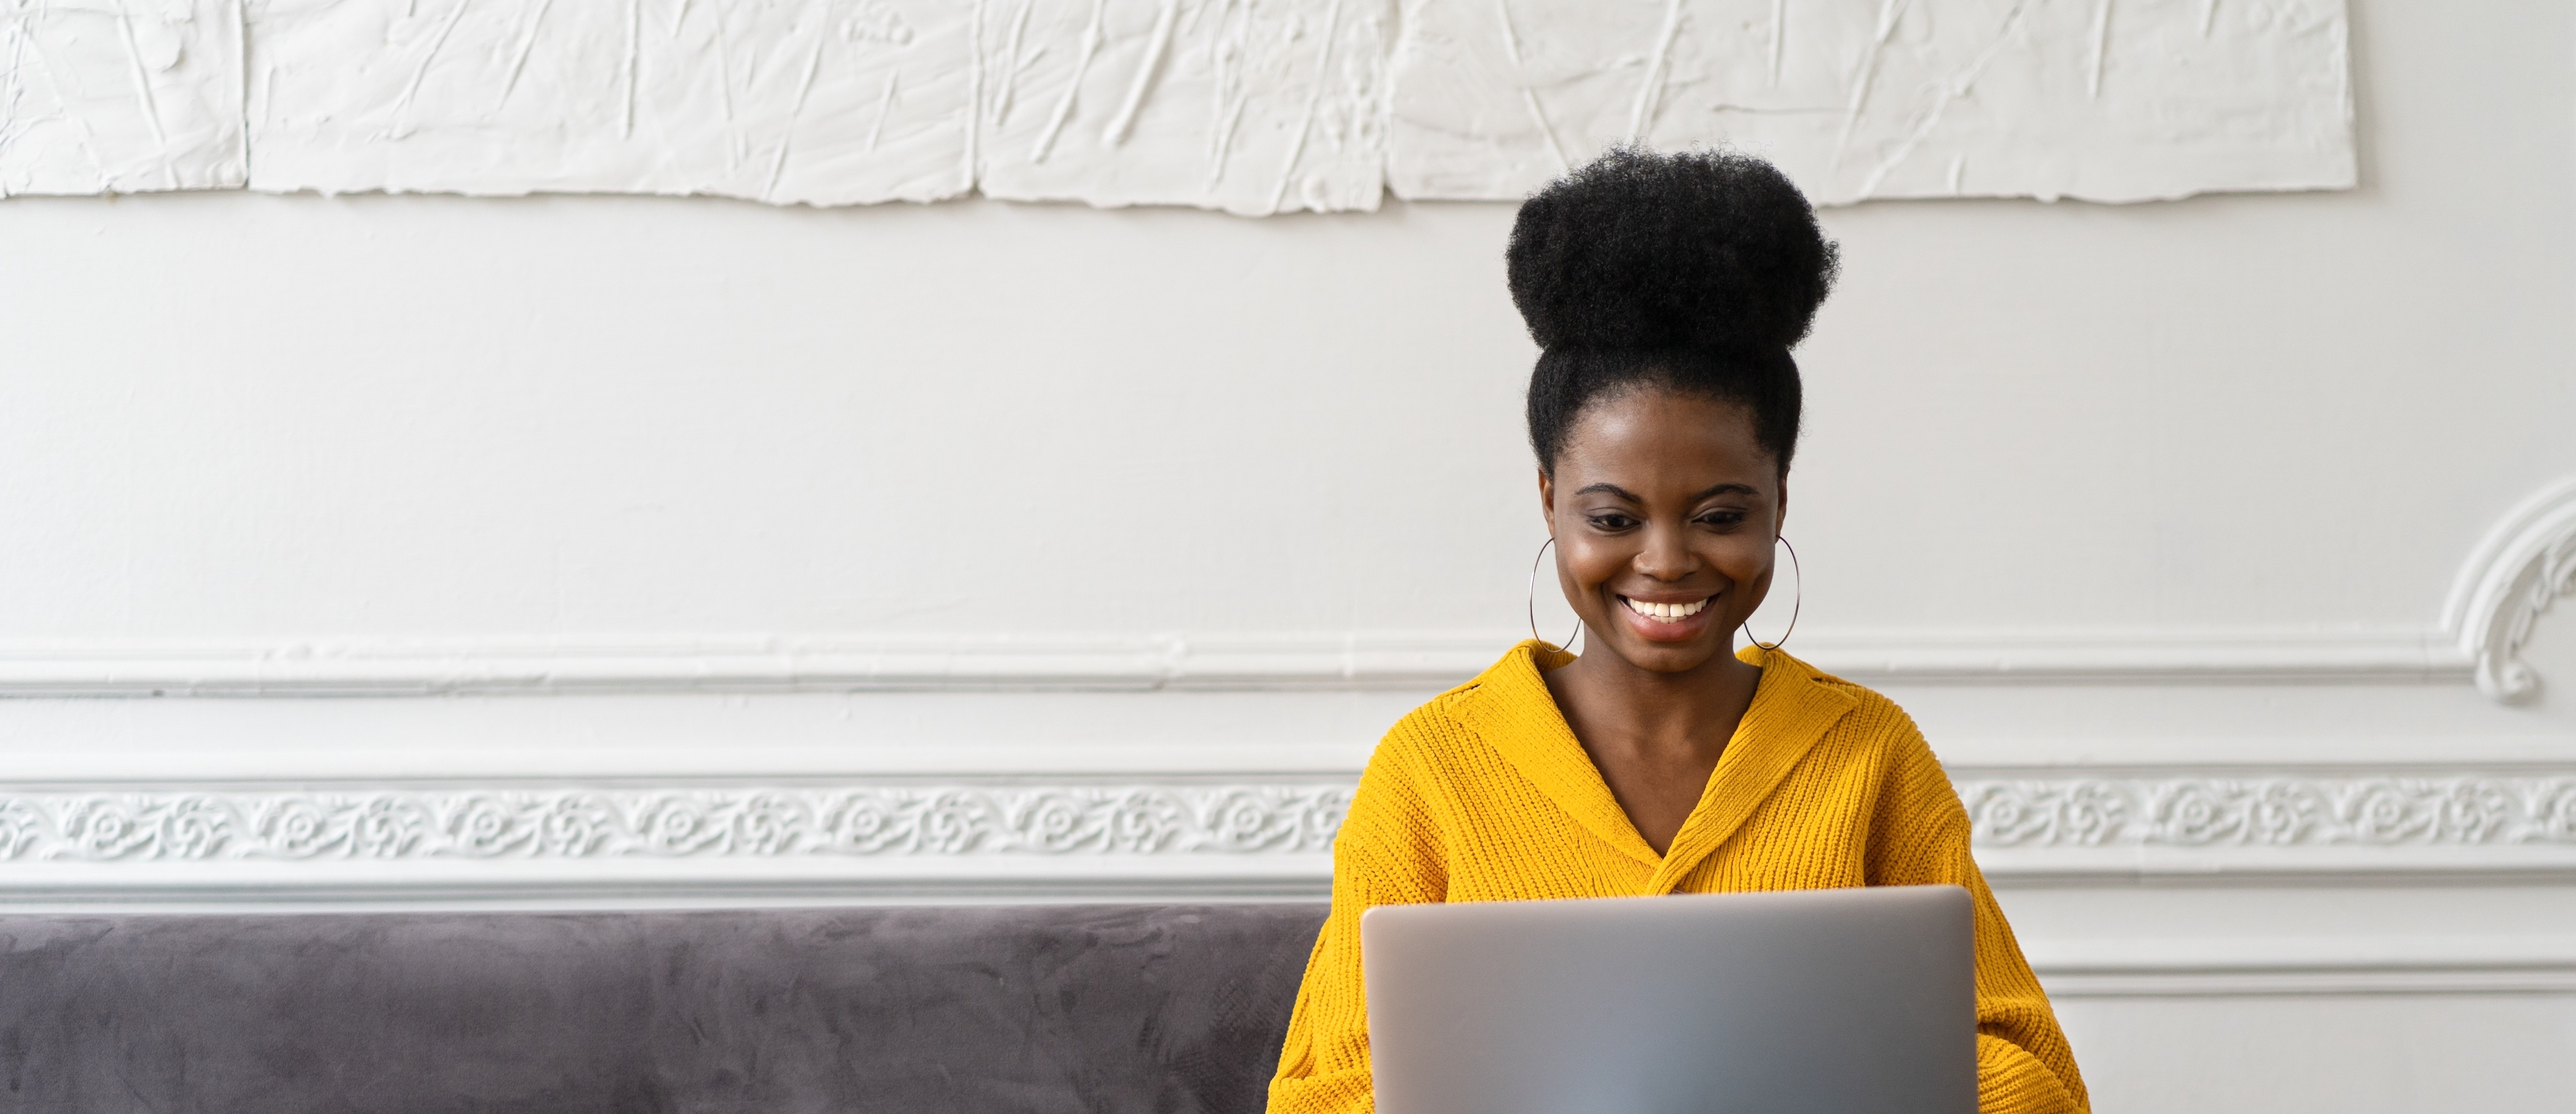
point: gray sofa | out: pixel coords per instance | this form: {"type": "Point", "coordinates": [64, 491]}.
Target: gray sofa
{"type": "Point", "coordinates": [1103, 1009]}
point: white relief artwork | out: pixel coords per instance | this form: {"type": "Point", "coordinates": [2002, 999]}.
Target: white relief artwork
{"type": "Point", "coordinates": [1249, 106]}
{"type": "Point", "coordinates": [803, 101]}
{"type": "Point", "coordinates": [2100, 100]}
{"type": "Point", "coordinates": [1231, 105]}
{"type": "Point", "coordinates": [120, 96]}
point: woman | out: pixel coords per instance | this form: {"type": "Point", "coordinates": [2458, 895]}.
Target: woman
{"type": "Point", "coordinates": [1665, 292]}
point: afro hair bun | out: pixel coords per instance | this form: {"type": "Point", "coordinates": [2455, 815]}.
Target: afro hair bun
{"type": "Point", "coordinates": [1640, 250]}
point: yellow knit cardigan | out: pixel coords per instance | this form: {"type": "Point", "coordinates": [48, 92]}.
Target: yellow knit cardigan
{"type": "Point", "coordinates": [1483, 794]}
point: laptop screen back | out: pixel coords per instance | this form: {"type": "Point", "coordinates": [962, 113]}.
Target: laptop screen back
{"type": "Point", "coordinates": [1851, 1001]}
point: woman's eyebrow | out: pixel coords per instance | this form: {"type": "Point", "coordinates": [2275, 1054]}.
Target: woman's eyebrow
{"type": "Point", "coordinates": [1624, 493]}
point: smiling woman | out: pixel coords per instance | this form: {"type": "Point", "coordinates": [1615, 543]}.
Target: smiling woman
{"type": "Point", "coordinates": [1666, 292]}
{"type": "Point", "coordinates": [1664, 548]}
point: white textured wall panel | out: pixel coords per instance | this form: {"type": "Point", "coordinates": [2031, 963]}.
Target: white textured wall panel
{"type": "Point", "coordinates": [120, 96]}
{"type": "Point", "coordinates": [1245, 107]}
{"type": "Point", "coordinates": [1238, 105]}
{"type": "Point", "coordinates": [1251, 106]}
{"type": "Point", "coordinates": [802, 101]}
{"type": "Point", "coordinates": [2096, 99]}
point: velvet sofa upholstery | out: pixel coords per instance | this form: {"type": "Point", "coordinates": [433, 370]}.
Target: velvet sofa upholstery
{"type": "Point", "coordinates": [1088, 1009]}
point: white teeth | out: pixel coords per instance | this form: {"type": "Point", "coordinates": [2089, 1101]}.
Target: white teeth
{"type": "Point", "coordinates": [1668, 612]}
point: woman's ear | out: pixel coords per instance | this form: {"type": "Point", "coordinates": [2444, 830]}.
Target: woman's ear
{"type": "Point", "coordinates": [1547, 499]}
{"type": "Point", "coordinates": [1780, 515]}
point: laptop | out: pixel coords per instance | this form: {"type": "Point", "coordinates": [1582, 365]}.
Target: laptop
{"type": "Point", "coordinates": [1851, 1001]}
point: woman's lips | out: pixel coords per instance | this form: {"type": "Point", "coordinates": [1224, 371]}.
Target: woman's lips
{"type": "Point", "coordinates": [1668, 621]}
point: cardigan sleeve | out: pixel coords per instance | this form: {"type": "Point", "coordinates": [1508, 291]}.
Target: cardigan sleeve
{"type": "Point", "coordinates": [1388, 853]}
{"type": "Point", "coordinates": [1921, 838]}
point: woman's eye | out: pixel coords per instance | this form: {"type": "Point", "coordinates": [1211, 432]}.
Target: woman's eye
{"type": "Point", "coordinates": [1723, 518]}
{"type": "Point", "coordinates": [1612, 522]}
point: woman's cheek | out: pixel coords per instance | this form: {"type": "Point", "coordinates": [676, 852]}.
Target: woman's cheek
{"type": "Point", "coordinates": [1585, 570]}
{"type": "Point", "coordinates": [1745, 568]}
{"type": "Point", "coordinates": [1593, 568]}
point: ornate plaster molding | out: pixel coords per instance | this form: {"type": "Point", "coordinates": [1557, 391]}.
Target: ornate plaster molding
{"type": "Point", "coordinates": [230, 848]}
{"type": "Point", "coordinates": [2516, 574]}
{"type": "Point", "coordinates": [1218, 826]}
{"type": "Point", "coordinates": [289, 825]}
{"type": "Point", "coordinates": [1357, 660]}
{"type": "Point", "coordinates": [2171, 965]}
{"type": "Point", "coordinates": [2286, 810]}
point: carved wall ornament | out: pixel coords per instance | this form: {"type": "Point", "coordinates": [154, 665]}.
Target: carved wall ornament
{"type": "Point", "coordinates": [670, 823]}
{"type": "Point", "coordinates": [1289, 817]}
{"type": "Point", "coordinates": [2273, 811]}
{"type": "Point", "coordinates": [2516, 574]}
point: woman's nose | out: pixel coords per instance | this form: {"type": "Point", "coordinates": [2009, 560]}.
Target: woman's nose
{"type": "Point", "coordinates": [1666, 556]}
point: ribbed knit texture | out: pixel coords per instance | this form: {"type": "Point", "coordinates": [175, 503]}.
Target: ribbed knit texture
{"type": "Point", "coordinates": [1483, 794]}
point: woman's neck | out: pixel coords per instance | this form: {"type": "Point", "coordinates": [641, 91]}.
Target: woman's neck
{"type": "Point", "coordinates": [1618, 696]}
{"type": "Point", "coordinates": [1655, 737]}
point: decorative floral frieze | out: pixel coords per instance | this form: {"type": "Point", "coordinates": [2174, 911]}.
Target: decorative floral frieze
{"type": "Point", "coordinates": [671, 823]}
{"type": "Point", "coordinates": [1139, 819]}
{"type": "Point", "coordinates": [2282, 811]}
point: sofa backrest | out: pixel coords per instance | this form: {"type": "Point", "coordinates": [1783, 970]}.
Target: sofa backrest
{"type": "Point", "coordinates": [995, 1009]}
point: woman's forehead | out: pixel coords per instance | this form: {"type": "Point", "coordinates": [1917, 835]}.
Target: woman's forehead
{"type": "Point", "coordinates": [1665, 436]}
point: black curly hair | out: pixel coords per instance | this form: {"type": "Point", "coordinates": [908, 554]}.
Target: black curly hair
{"type": "Point", "coordinates": [1692, 272]}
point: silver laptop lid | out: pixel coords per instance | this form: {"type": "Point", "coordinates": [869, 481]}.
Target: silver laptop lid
{"type": "Point", "coordinates": [1853, 1001]}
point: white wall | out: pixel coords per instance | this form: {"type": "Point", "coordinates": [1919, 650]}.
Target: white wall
{"type": "Point", "coordinates": [665, 460]}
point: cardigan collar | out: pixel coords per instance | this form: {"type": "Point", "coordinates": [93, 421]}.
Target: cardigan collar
{"type": "Point", "coordinates": [1511, 709]}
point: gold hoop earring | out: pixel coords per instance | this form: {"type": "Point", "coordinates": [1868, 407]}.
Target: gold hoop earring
{"type": "Point", "coordinates": [1796, 603]}
{"type": "Point", "coordinates": [1533, 601]}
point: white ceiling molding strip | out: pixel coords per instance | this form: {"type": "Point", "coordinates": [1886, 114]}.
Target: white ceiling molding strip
{"type": "Point", "coordinates": [2512, 578]}
{"type": "Point", "coordinates": [1355, 661]}
{"type": "Point", "coordinates": [2199, 967]}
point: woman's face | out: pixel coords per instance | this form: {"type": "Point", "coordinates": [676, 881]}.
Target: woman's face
{"type": "Point", "coordinates": [1664, 510]}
